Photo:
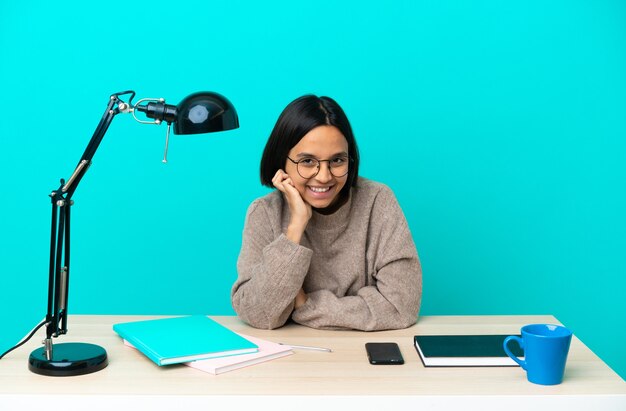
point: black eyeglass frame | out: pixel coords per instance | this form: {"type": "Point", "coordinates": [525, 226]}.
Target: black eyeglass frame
{"type": "Point", "coordinates": [319, 166]}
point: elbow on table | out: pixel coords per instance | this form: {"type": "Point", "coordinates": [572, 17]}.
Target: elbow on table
{"type": "Point", "coordinates": [408, 320]}
{"type": "Point", "coordinates": [408, 317]}
{"type": "Point", "coordinates": [256, 313]}
{"type": "Point", "coordinates": [263, 323]}
{"type": "Point", "coordinates": [258, 318]}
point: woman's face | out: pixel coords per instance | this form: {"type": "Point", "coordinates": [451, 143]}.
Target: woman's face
{"type": "Point", "coordinates": [321, 143]}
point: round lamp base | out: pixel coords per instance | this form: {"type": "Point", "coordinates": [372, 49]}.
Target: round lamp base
{"type": "Point", "coordinates": [68, 359]}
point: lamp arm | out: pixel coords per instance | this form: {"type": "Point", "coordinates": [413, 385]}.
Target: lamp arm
{"type": "Point", "coordinates": [115, 106]}
{"type": "Point", "coordinates": [59, 269]}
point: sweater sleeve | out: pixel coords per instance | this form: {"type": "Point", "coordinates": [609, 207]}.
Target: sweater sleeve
{"type": "Point", "coordinates": [393, 301]}
{"type": "Point", "coordinates": [271, 271]}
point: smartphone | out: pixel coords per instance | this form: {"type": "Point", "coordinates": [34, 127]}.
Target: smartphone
{"type": "Point", "coordinates": [384, 353]}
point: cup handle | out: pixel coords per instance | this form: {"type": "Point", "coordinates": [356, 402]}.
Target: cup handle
{"type": "Point", "coordinates": [510, 354]}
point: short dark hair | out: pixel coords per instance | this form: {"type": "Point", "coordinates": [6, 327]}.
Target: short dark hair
{"type": "Point", "coordinates": [297, 119]}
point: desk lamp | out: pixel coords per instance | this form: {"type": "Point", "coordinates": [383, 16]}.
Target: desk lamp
{"type": "Point", "coordinates": [203, 112]}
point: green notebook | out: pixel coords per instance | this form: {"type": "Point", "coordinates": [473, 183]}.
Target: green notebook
{"type": "Point", "coordinates": [465, 350]}
{"type": "Point", "coordinates": [182, 339]}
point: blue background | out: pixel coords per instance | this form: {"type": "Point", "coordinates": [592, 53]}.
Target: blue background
{"type": "Point", "coordinates": [501, 127]}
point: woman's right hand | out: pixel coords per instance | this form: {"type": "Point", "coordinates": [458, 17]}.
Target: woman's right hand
{"type": "Point", "coordinates": [300, 210]}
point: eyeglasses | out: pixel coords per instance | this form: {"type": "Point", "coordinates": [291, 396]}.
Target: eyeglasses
{"type": "Point", "coordinates": [310, 167]}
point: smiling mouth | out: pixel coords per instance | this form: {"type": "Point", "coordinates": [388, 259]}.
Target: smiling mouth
{"type": "Point", "coordinates": [319, 189]}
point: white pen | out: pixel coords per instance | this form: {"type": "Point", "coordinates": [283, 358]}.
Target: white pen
{"type": "Point", "coordinates": [307, 347]}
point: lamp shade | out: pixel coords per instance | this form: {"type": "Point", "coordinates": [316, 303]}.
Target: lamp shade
{"type": "Point", "coordinates": [205, 112]}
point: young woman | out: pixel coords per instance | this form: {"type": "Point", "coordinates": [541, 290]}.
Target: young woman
{"type": "Point", "coordinates": [328, 248]}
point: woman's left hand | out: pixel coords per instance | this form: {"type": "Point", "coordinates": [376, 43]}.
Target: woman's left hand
{"type": "Point", "coordinates": [300, 299]}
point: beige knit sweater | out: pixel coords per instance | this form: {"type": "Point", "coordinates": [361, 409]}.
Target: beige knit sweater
{"type": "Point", "coordinates": [358, 266]}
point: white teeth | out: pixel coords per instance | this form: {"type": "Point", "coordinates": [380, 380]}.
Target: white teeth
{"type": "Point", "coordinates": [319, 189]}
